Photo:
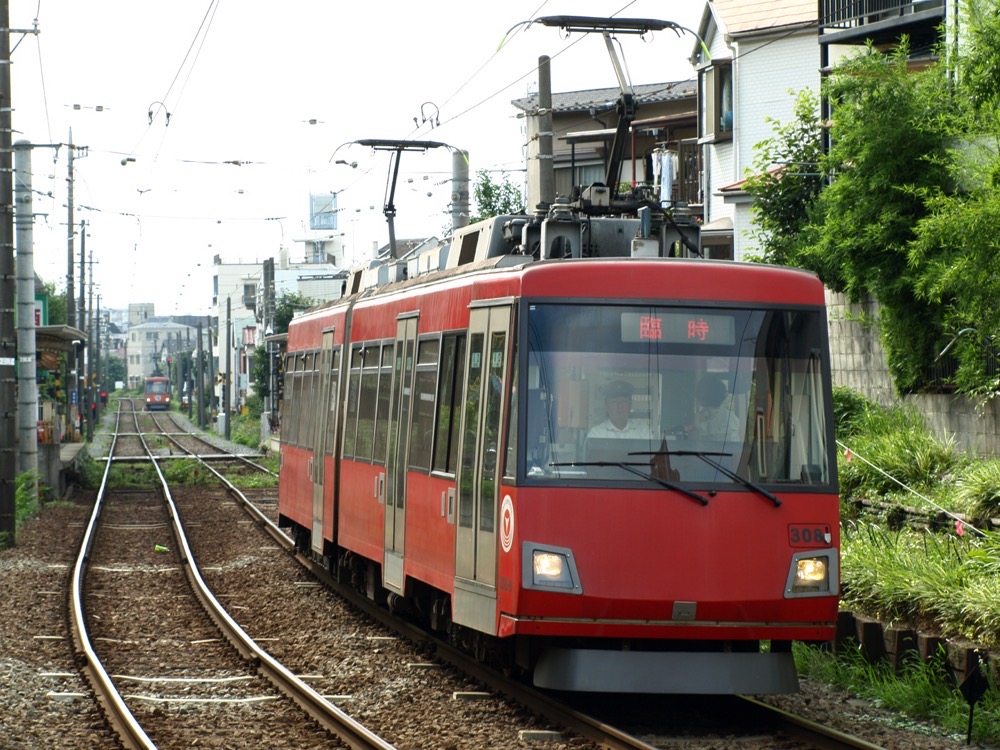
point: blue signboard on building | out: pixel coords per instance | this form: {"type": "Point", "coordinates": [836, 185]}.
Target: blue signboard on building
{"type": "Point", "coordinates": [323, 211]}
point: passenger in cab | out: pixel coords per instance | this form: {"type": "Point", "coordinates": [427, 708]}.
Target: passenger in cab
{"type": "Point", "coordinates": [713, 417]}
{"type": "Point", "coordinates": [619, 424]}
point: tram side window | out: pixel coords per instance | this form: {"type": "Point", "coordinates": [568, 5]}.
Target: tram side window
{"type": "Point", "coordinates": [295, 408]}
{"type": "Point", "coordinates": [308, 397]}
{"type": "Point", "coordinates": [448, 414]}
{"type": "Point", "coordinates": [510, 455]}
{"type": "Point", "coordinates": [331, 416]}
{"type": "Point", "coordinates": [383, 402]}
{"type": "Point", "coordinates": [353, 387]}
{"type": "Point", "coordinates": [367, 399]}
{"type": "Point", "coordinates": [288, 402]}
{"type": "Point", "coordinates": [424, 386]}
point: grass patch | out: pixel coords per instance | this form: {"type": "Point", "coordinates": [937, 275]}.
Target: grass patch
{"type": "Point", "coordinates": [256, 480]}
{"type": "Point", "coordinates": [937, 582]}
{"type": "Point", "coordinates": [897, 441]}
{"type": "Point", "coordinates": [978, 489]}
{"type": "Point", "coordinates": [921, 691]}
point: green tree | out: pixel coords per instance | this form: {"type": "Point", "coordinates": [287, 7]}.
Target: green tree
{"type": "Point", "coordinates": [261, 371]}
{"type": "Point", "coordinates": [57, 305]}
{"type": "Point", "coordinates": [114, 370]}
{"type": "Point", "coordinates": [287, 305]}
{"type": "Point", "coordinates": [888, 158]}
{"type": "Point", "coordinates": [785, 181]}
{"type": "Point", "coordinates": [495, 198]}
{"type": "Point", "coordinates": [889, 143]}
{"type": "Point", "coordinates": [956, 244]}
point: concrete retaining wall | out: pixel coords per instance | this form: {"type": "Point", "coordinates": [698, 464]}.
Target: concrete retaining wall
{"type": "Point", "coordinates": [858, 362]}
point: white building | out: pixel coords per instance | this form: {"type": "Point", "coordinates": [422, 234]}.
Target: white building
{"type": "Point", "coordinates": [761, 54]}
{"type": "Point", "coordinates": [238, 298]}
{"type": "Point", "coordinates": [150, 344]}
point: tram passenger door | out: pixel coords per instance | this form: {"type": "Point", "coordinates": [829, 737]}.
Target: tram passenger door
{"type": "Point", "coordinates": [319, 441]}
{"type": "Point", "coordinates": [481, 467]}
{"type": "Point", "coordinates": [397, 453]}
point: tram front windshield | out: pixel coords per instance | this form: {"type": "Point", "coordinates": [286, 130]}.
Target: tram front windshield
{"type": "Point", "coordinates": [619, 393]}
{"type": "Point", "coordinates": [157, 386]}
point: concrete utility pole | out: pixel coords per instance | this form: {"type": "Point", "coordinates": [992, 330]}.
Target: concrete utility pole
{"type": "Point", "coordinates": [8, 428]}
{"type": "Point", "coordinates": [83, 361]}
{"type": "Point", "coordinates": [200, 383]}
{"type": "Point", "coordinates": [267, 318]}
{"type": "Point", "coordinates": [541, 169]}
{"type": "Point", "coordinates": [229, 358]}
{"type": "Point", "coordinates": [546, 166]}
{"type": "Point", "coordinates": [211, 367]}
{"type": "Point", "coordinates": [459, 189]}
{"type": "Point", "coordinates": [27, 388]}
{"type": "Point", "coordinates": [71, 372]}
{"type": "Point", "coordinates": [99, 381]}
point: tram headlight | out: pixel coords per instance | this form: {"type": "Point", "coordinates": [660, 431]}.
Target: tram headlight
{"type": "Point", "coordinates": [550, 568]}
{"type": "Point", "coordinates": [547, 567]}
{"type": "Point", "coordinates": [812, 574]}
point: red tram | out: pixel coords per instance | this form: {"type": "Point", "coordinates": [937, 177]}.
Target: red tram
{"type": "Point", "coordinates": [446, 448]}
{"type": "Point", "coordinates": [157, 393]}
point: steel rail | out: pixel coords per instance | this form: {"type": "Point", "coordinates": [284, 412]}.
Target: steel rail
{"type": "Point", "coordinates": [329, 716]}
{"type": "Point", "coordinates": [117, 712]}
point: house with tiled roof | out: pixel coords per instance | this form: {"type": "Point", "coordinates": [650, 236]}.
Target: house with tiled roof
{"type": "Point", "coordinates": [752, 59]}
{"type": "Point", "coordinates": [583, 129]}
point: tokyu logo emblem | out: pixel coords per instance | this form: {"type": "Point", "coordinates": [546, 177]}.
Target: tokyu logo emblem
{"type": "Point", "coordinates": [506, 523]}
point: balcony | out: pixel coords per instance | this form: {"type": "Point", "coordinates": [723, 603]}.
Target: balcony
{"type": "Point", "coordinates": [881, 21]}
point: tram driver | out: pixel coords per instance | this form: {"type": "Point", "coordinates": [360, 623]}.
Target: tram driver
{"type": "Point", "coordinates": [620, 424]}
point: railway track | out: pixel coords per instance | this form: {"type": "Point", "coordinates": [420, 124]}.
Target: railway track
{"type": "Point", "coordinates": [225, 565]}
{"type": "Point", "coordinates": [137, 623]}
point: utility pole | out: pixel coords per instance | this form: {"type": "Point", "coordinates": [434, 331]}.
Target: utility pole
{"type": "Point", "coordinates": [8, 427]}
{"type": "Point", "coordinates": [546, 164]}
{"type": "Point", "coordinates": [27, 388]}
{"type": "Point", "coordinates": [200, 383]}
{"type": "Point", "coordinates": [229, 358]}
{"type": "Point", "coordinates": [91, 368]}
{"type": "Point", "coordinates": [459, 189]}
{"type": "Point", "coordinates": [70, 301]}
{"type": "Point", "coordinates": [99, 381]}
{"type": "Point", "coordinates": [266, 319]}
{"type": "Point", "coordinates": [211, 367]}
{"type": "Point", "coordinates": [83, 360]}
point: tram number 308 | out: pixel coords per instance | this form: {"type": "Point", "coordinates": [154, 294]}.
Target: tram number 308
{"type": "Point", "coordinates": [809, 535]}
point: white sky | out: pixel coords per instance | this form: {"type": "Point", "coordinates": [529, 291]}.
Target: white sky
{"type": "Point", "coordinates": [241, 80]}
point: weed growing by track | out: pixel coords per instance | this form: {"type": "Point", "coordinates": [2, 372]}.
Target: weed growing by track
{"type": "Point", "coordinates": [920, 691]}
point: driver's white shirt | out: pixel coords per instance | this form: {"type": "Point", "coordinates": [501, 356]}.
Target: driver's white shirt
{"type": "Point", "coordinates": [637, 429]}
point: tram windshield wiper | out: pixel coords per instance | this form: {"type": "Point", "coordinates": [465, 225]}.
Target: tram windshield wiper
{"type": "Point", "coordinates": [704, 456]}
{"type": "Point", "coordinates": [629, 468]}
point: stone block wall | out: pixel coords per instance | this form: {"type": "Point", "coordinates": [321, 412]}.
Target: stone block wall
{"type": "Point", "coordinates": [858, 362]}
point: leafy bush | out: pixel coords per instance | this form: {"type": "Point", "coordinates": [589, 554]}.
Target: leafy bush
{"type": "Point", "coordinates": [896, 441]}
{"type": "Point", "coordinates": [91, 472]}
{"type": "Point", "coordinates": [25, 496]}
{"type": "Point", "coordinates": [949, 582]}
{"type": "Point", "coordinates": [977, 489]}
{"type": "Point", "coordinates": [850, 409]}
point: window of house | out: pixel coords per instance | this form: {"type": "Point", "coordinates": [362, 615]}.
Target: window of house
{"type": "Point", "coordinates": [718, 247]}
{"type": "Point", "coordinates": [717, 99]}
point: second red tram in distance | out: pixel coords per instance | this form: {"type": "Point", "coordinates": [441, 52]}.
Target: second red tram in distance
{"type": "Point", "coordinates": [157, 393]}
{"type": "Point", "coordinates": [453, 444]}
